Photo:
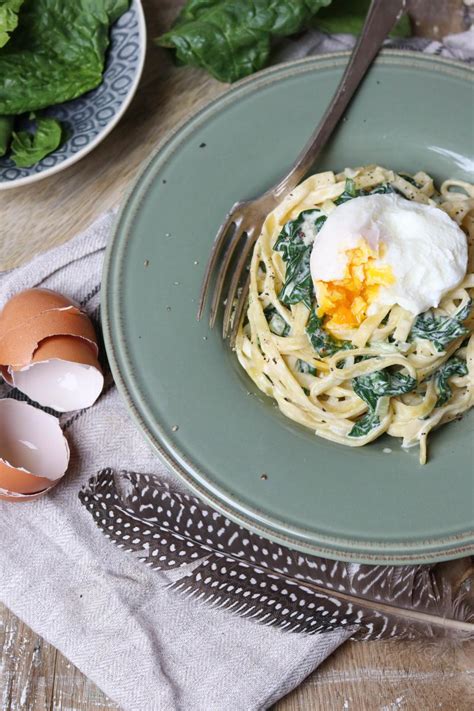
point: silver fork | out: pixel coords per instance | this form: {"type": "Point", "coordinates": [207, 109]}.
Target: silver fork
{"type": "Point", "coordinates": [246, 218]}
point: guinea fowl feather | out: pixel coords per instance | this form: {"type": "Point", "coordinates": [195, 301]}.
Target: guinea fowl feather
{"type": "Point", "coordinates": [253, 577]}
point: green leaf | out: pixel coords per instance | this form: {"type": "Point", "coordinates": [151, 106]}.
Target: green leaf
{"type": "Point", "coordinates": [350, 191]}
{"type": "Point", "coordinates": [116, 8]}
{"type": "Point", "coordinates": [295, 243]}
{"type": "Point", "coordinates": [372, 389]}
{"type": "Point", "coordinates": [410, 180]}
{"type": "Point", "coordinates": [276, 322]}
{"type": "Point", "coordinates": [303, 367]}
{"type": "Point", "coordinates": [453, 366]}
{"type": "Point", "coordinates": [441, 330]}
{"type": "Point", "coordinates": [9, 10]}
{"type": "Point", "coordinates": [382, 189]}
{"type": "Point", "coordinates": [56, 53]}
{"type": "Point", "coordinates": [6, 128]}
{"type": "Point", "coordinates": [323, 343]}
{"type": "Point", "coordinates": [348, 16]}
{"type": "Point", "coordinates": [29, 148]}
{"type": "Point", "coordinates": [365, 424]}
{"type": "Point", "coordinates": [232, 38]}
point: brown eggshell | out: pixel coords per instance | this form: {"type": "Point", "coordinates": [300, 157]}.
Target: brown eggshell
{"type": "Point", "coordinates": [21, 482]}
{"type": "Point", "coordinates": [34, 453]}
{"type": "Point", "coordinates": [21, 498]}
{"type": "Point", "coordinates": [71, 348]}
{"type": "Point", "coordinates": [64, 374]}
{"type": "Point", "coordinates": [5, 374]}
{"type": "Point", "coordinates": [19, 344]}
{"type": "Point", "coordinates": [31, 303]}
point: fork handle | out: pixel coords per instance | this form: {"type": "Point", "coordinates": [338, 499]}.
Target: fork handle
{"type": "Point", "coordinates": [381, 18]}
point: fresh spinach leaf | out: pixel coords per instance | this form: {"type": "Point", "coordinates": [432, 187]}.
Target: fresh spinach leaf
{"type": "Point", "coordinates": [348, 16]}
{"type": "Point", "coordinates": [28, 148]}
{"type": "Point", "coordinates": [56, 53]}
{"type": "Point", "coordinates": [115, 9]}
{"type": "Point", "coordinates": [295, 243]}
{"type": "Point", "coordinates": [375, 389]}
{"type": "Point", "coordinates": [276, 322]}
{"type": "Point", "coordinates": [232, 38]}
{"type": "Point", "coordinates": [9, 10]}
{"type": "Point", "coordinates": [323, 343]}
{"type": "Point", "coordinates": [303, 367]}
{"type": "Point", "coordinates": [6, 128]}
{"type": "Point", "coordinates": [453, 366]}
{"type": "Point", "coordinates": [441, 330]}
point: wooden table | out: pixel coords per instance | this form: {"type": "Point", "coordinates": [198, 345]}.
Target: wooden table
{"type": "Point", "coordinates": [359, 676]}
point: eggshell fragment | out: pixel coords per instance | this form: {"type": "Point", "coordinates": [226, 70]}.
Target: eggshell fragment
{"type": "Point", "coordinates": [64, 374]}
{"type": "Point", "coordinates": [34, 454]}
{"type": "Point", "coordinates": [32, 302]}
{"type": "Point", "coordinates": [21, 498]}
{"type": "Point", "coordinates": [17, 345]}
{"type": "Point", "coordinates": [4, 372]}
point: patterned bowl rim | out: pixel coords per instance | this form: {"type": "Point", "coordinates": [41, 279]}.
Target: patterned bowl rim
{"type": "Point", "coordinates": [8, 185]}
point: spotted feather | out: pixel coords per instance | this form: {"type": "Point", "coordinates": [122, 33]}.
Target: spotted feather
{"type": "Point", "coordinates": [248, 575]}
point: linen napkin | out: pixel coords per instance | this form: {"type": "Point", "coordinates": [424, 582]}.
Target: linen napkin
{"type": "Point", "coordinates": [144, 646]}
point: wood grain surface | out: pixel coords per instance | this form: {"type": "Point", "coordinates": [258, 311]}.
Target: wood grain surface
{"type": "Point", "coordinates": [359, 676]}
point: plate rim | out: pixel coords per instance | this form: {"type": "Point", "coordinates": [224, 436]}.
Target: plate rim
{"type": "Point", "coordinates": [393, 552]}
{"type": "Point", "coordinates": [75, 157]}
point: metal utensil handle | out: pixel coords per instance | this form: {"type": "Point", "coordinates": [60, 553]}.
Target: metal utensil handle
{"type": "Point", "coordinates": [380, 19]}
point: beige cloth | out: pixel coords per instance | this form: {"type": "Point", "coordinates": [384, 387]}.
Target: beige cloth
{"type": "Point", "coordinates": [143, 645]}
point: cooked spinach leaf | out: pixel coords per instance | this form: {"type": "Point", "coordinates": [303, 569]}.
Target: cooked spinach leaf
{"type": "Point", "coordinates": [410, 180]}
{"type": "Point", "coordinates": [365, 424]}
{"type": "Point", "coordinates": [30, 147]}
{"type": "Point", "coordinates": [9, 10]}
{"type": "Point", "coordinates": [382, 189]}
{"type": "Point", "coordinates": [294, 243]}
{"type": "Point", "coordinates": [323, 343]}
{"type": "Point", "coordinates": [276, 322]}
{"type": "Point", "coordinates": [6, 128]}
{"type": "Point", "coordinates": [303, 367]}
{"type": "Point", "coordinates": [453, 366]}
{"type": "Point", "coordinates": [350, 191]}
{"type": "Point", "coordinates": [441, 330]}
{"type": "Point", "coordinates": [232, 38]}
{"type": "Point", "coordinates": [348, 16]}
{"type": "Point", "coordinates": [56, 53]}
{"type": "Point", "coordinates": [375, 389]}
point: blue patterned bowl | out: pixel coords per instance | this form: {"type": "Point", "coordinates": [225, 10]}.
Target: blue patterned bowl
{"type": "Point", "coordinates": [92, 116]}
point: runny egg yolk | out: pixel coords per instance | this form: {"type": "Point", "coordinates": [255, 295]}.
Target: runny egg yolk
{"type": "Point", "coordinates": [346, 301]}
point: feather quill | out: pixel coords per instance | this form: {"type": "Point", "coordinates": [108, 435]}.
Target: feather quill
{"type": "Point", "coordinates": [253, 577]}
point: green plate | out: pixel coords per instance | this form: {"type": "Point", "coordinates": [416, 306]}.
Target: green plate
{"type": "Point", "coordinates": [185, 388]}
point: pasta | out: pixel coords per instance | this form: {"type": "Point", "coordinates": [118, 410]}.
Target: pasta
{"type": "Point", "coordinates": [394, 373]}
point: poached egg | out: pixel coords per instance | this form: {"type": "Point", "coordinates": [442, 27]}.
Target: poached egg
{"type": "Point", "coordinates": [382, 250]}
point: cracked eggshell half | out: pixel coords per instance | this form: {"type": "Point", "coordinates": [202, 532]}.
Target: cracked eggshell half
{"type": "Point", "coordinates": [35, 314]}
{"type": "Point", "coordinates": [64, 374]}
{"type": "Point", "coordinates": [48, 350]}
{"type": "Point", "coordinates": [34, 454]}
